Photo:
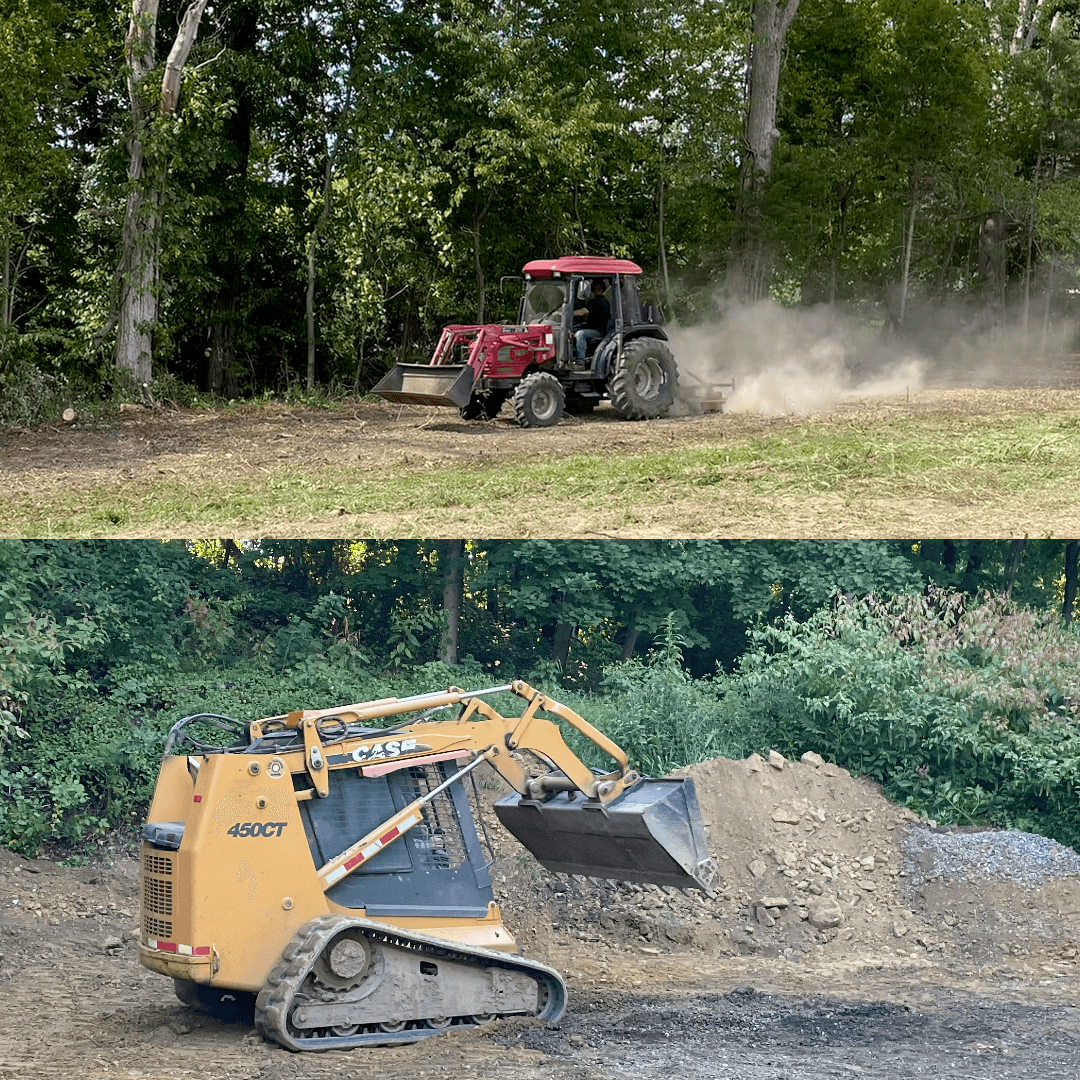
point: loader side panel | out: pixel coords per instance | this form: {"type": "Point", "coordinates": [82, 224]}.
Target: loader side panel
{"type": "Point", "coordinates": [437, 869]}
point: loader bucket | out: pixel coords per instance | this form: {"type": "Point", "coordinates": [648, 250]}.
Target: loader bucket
{"type": "Point", "coordinates": [653, 832]}
{"type": "Point", "coordinates": [427, 384]}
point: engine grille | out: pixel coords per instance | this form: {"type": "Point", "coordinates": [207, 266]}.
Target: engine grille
{"type": "Point", "coordinates": [157, 894]}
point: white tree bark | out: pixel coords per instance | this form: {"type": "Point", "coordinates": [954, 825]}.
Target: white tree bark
{"type": "Point", "coordinates": [748, 269]}
{"type": "Point", "coordinates": [140, 239]}
{"type": "Point", "coordinates": [772, 20]}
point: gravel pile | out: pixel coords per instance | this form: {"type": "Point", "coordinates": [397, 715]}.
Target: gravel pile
{"type": "Point", "coordinates": [1007, 856]}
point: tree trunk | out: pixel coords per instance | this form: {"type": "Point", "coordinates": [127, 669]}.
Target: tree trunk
{"type": "Point", "coordinates": [1016, 550]}
{"type": "Point", "coordinates": [909, 240]}
{"type": "Point", "coordinates": [750, 264]}
{"type": "Point", "coordinates": [140, 237]}
{"type": "Point", "coordinates": [309, 301]}
{"type": "Point", "coordinates": [1072, 551]}
{"type": "Point", "coordinates": [628, 642]}
{"type": "Point", "coordinates": [661, 241]}
{"type": "Point", "coordinates": [560, 645]}
{"type": "Point", "coordinates": [452, 554]}
{"type": "Point", "coordinates": [481, 286]}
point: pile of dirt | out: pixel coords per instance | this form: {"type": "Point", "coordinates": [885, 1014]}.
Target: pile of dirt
{"type": "Point", "coordinates": [814, 861]}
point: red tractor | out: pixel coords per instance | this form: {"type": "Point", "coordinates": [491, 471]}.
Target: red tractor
{"type": "Point", "coordinates": [556, 358]}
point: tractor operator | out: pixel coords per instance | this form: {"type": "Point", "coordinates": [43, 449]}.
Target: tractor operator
{"type": "Point", "coordinates": [597, 315]}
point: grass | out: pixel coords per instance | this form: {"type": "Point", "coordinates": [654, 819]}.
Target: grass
{"type": "Point", "coordinates": [1013, 474]}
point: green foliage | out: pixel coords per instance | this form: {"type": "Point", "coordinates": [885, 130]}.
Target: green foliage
{"type": "Point", "coordinates": [965, 710]}
{"type": "Point", "coordinates": [963, 704]}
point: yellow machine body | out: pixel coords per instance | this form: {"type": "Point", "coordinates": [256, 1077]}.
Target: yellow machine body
{"type": "Point", "coordinates": [262, 861]}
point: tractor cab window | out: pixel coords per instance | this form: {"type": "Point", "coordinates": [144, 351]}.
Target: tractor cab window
{"type": "Point", "coordinates": [543, 302]}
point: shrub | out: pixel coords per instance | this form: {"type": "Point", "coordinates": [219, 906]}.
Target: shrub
{"type": "Point", "coordinates": [965, 711]}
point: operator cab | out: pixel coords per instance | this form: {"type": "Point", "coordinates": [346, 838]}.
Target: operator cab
{"type": "Point", "coordinates": [543, 302]}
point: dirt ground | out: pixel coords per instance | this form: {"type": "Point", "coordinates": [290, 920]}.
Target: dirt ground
{"type": "Point", "coordinates": [118, 460]}
{"type": "Point", "coordinates": [827, 952]}
{"type": "Point", "coordinates": [377, 435]}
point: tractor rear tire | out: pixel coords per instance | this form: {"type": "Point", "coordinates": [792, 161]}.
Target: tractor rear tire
{"type": "Point", "coordinates": [645, 381]}
{"type": "Point", "coordinates": [539, 400]}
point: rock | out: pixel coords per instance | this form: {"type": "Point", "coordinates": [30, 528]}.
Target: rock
{"type": "Point", "coordinates": [178, 1027]}
{"type": "Point", "coordinates": [810, 758]}
{"type": "Point", "coordinates": [814, 888]}
{"type": "Point", "coordinates": [826, 914]}
{"type": "Point", "coordinates": [112, 944]}
{"type": "Point", "coordinates": [867, 863]}
{"type": "Point", "coordinates": [576, 1040]}
{"type": "Point", "coordinates": [789, 817]}
{"type": "Point", "coordinates": [776, 760]}
{"type": "Point", "coordinates": [648, 951]}
{"type": "Point", "coordinates": [817, 814]}
{"type": "Point", "coordinates": [756, 761]}
{"type": "Point", "coordinates": [757, 868]}
{"type": "Point", "coordinates": [775, 901]}
{"type": "Point", "coordinates": [677, 933]}
{"type": "Point", "coordinates": [899, 929]}
{"type": "Point", "coordinates": [68, 415]}
{"type": "Point", "coordinates": [763, 915]}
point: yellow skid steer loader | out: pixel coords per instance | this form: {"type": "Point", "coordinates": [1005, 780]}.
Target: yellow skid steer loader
{"type": "Point", "coordinates": [332, 869]}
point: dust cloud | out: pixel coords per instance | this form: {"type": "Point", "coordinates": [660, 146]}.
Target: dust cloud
{"type": "Point", "coordinates": [772, 360]}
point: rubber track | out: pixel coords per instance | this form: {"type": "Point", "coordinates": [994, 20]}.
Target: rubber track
{"type": "Point", "coordinates": [298, 957]}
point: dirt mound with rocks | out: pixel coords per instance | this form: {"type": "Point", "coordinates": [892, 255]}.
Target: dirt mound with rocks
{"type": "Point", "coordinates": [813, 860]}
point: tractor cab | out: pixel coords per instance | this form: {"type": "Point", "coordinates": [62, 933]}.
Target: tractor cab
{"type": "Point", "coordinates": [556, 288]}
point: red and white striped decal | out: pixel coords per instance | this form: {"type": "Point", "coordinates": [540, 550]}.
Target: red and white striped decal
{"type": "Point", "coordinates": [372, 849]}
{"type": "Point", "coordinates": [173, 947]}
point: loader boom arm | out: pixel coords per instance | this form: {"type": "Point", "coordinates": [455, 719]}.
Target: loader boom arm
{"type": "Point", "coordinates": [478, 729]}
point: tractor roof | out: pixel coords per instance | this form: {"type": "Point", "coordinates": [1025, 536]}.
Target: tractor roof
{"type": "Point", "coordinates": [580, 264]}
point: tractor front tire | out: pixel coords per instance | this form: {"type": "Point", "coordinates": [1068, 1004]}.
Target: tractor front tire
{"type": "Point", "coordinates": [483, 406]}
{"type": "Point", "coordinates": [645, 380]}
{"type": "Point", "coordinates": [538, 400]}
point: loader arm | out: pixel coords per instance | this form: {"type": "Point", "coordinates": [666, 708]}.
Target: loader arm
{"type": "Point", "coordinates": [612, 825]}
{"type": "Point", "coordinates": [478, 729]}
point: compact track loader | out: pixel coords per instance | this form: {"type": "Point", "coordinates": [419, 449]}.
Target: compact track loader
{"type": "Point", "coordinates": [333, 869]}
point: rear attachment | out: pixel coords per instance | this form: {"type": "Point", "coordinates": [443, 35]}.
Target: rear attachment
{"type": "Point", "coordinates": [344, 982]}
{"type": "Point", "coordinates": [652, 833]}
{"type": "Point", "coordinates": [428, 384]}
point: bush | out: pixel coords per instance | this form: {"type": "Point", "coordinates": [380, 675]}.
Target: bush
{"type": "Point", "coordinates": [966, 712]}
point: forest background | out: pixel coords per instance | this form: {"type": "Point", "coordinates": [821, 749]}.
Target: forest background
{"type": "Point", "coordinates": [278, 196]}
{"type": "Point", "coordinates": [947, 670]}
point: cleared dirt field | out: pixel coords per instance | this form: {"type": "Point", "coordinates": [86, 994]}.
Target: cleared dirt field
{"type": "Point", "coordinates": [963, 462]}
{"type": "Point", "coordinates": [930, 970]}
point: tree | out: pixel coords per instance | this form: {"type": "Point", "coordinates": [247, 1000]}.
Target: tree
{"type": "Point", "coordinates": [140, 240]}
{"type": "Point", "coordinates": [750, 265]}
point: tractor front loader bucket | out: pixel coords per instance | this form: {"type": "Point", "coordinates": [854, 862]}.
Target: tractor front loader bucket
{"type": "Point", "coordinates": [653, 832]}
{"type": "Point", "coordinates": [427, 384]}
